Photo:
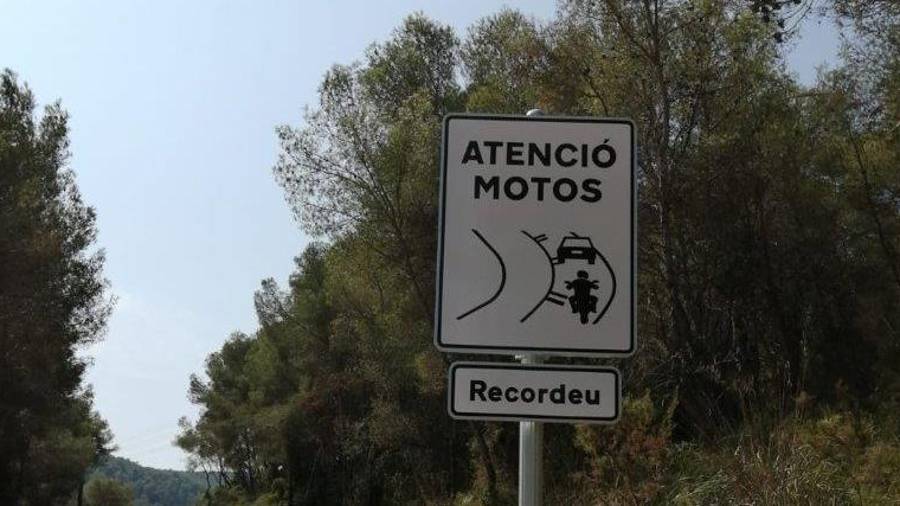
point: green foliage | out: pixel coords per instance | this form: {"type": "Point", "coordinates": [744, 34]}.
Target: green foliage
{"type": "Point", "coordinates": [52, 301]}
{"type": "Point", "coordinates": [149, 486]}
{"type": "Point", "coordinates": [107, 492]}
{"type": "Point", "coordinates": [503, 59]}
{"type": "Point", "coordinates": [627, 462]}
{"type": "Point", "coordinates": [837, 458]}
{"type": "Point", "coordinates": [769, 231]}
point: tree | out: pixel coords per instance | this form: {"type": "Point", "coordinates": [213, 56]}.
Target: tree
{"type": "Point", "coordinates": [363, 172]}
{"type": "Point", "coordinates": [156, 487]}
{"type": "Point", "coordinates": [107, 492]}
{"type": "Point", "coordinates": [768, 234]}
{"type": "Point", "coordinates": [52, 301]}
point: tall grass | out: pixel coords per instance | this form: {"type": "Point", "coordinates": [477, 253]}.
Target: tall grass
{"type": "Point", "coordinates": [831, 458]}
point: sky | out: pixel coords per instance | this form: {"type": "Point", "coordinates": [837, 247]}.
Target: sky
{"type": "Point", "coordinates": [173, 107]}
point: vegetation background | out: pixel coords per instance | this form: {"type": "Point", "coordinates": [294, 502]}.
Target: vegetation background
{"type": "Point", "coordinates": [144, 486]}
{"type": "Point", "coordinates": [769, 333]}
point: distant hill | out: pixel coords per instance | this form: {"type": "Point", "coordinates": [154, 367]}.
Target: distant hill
{"type": "Point", "coordinates": [154, 487]}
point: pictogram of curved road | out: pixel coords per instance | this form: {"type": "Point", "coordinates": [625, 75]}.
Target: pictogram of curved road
{"type": "Point", "coordinates": [538, 240]}
{"type": "Point", "coordinates": [523, 276]}
{"type": "Point", "coordinates": [502, 277]}
{"type": "Point", "coordinates": [553, 296]}
{"type": "Point", "coordinates": [524, 265]}
{"type": "Point", "coordinates": [612, 291]}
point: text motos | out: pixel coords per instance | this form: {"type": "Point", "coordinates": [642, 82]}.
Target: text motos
{"type": "Point", "coordinates": [537, 236]}
{"type": "Point", "coordinates": [565, 187]}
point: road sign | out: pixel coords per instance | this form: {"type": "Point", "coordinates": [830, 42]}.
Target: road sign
{"type": "Point", "coordinates": [548, 393]}
{"type": "Point", "coordinates": [537, 236]}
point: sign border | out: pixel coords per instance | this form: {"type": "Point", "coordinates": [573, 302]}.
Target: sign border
{"type": "Point", "coordinates": [532, 367]}
{"type": "Point", "coordinates": [515, 350]}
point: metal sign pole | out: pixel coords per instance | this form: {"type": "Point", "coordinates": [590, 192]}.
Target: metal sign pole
{"type": "Point", "coordinates": [531, 453]}
{"type": "Point", "coordinates": [531, 439]}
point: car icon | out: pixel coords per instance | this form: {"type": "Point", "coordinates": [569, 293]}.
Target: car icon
{"type": "Point", "coordinates": [575, 247]}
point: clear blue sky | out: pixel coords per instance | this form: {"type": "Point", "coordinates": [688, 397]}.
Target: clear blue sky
{"type": "Point", "coordinates": [173, 106]}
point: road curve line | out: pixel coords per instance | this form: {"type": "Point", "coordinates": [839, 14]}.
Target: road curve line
{"type": "Point", "coordinates": [552, 276]}
{"type": "Point", "coordinates": [502, 277]}
{"type": "Point", "coordinates": [612, 293]}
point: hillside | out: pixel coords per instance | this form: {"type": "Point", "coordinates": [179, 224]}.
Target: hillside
{"type": "Point", "coordinates": [154, 487]}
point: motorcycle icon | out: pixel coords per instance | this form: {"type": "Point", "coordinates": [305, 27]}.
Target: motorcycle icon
{"type": "Point", "coordinates": [583, 302]}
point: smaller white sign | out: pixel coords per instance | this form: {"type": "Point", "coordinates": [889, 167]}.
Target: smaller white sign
{"type": "Point", "coordinates": [546, 393]}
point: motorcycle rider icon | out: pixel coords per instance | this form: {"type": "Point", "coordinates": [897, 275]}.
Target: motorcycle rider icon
{"type": "Point", "coordinates": [583, 302]}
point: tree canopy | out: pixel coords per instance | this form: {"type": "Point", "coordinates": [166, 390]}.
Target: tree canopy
{"type": "Point", "coordinates": [768, 314]}
{"type": "Point", "coordinates": [148, 486]}
{"type": "Point", "coordinates": [52, 302]}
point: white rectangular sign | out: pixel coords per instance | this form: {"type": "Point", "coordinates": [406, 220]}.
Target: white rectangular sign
{"type": "Point", "coordinates": [547, 393]}
{"type": "Point", "coordinates": [537, 236]}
